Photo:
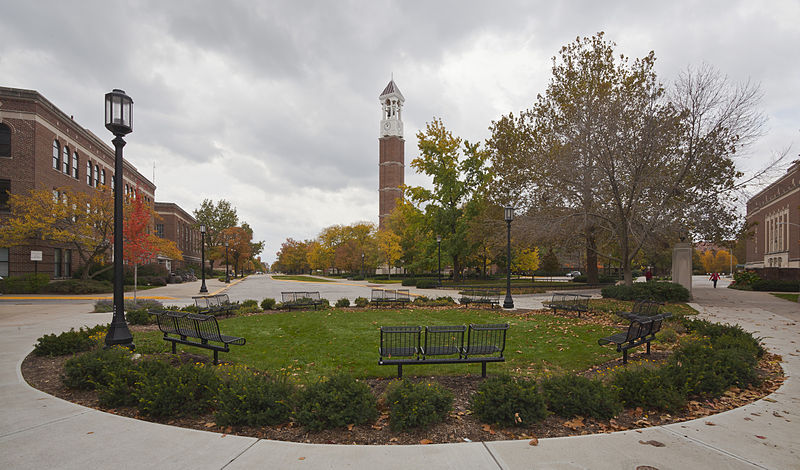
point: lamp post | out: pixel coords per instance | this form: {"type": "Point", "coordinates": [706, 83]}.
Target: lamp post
{"type": "Point", "coordinates": [363, 274]}
{"type": "Point", "coordinates": [508, 216]}
{"type": "Point", "coordinates": [118, 120]}
{"type": "Point", "coordinates": [439, 249]}
{"type": "Point", "coordinates": [203, 289]}
{"type": "Point", "coordinates": [227, 273]}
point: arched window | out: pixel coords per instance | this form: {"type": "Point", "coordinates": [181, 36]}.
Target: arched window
{"type": "Point", "coordinates": [5, 141]}
{"type": "Point", "coordinates": [75, 165]}
{"type": "Point", "coordinates": [56, 153]}
{"type": "Point", "coordinates": [65, 161]}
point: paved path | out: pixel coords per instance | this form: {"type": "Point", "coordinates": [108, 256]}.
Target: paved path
{"type": "Point", "coordinates": [41, 431]}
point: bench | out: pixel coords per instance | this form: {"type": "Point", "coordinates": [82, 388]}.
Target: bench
{"type": "Point", "coordinates": [390, 297]}
{"type": "Point", "coordinates": [194, 329]}
{"type": "Point", "coordinates": [455, 344]}
{"type": "Point", "coordinates": [301, 299]}
{"type": "Point", "coordinates": [642, 308]}
{"type": "Point", "coordinates": [641, 330]}
{"type": "Point", "coordinates": [218, 304]}
{"type": "Point", "coordinates": [569, 302]}
{"type": "Point", "coordinates": [481, 296]}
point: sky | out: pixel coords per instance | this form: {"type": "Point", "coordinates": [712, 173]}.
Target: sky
{"type": "Point", "coordinates": [273, 105]}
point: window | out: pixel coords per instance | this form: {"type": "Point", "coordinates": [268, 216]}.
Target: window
{"type": "Point", "coordinates": [56, 154]}
{"type": "Point", "coordinates": [5, 188]}
{"type": "Point", "coordinates": [88, 172]}
{"type": "Point", "coordinates": [67, 263]}
{"type": "Point", "coordinates": [57, 262]}
{"type": "Point", "coordinates": [65, 161]}
{"type": "Point", "coordinates": [75, 165]}
{"type": "Point", "coordinates": [112, 181]}
{"type": "Point", "coordinates": [103, 177]}
{"type": "Point", "coordinates": [4, 262]}
{"type": "Point", "coordinates": [5, 141]}
{"type": "Point", "coordinates": [160, 230]}
{"type": "Point", "coordinates": [96, 175]}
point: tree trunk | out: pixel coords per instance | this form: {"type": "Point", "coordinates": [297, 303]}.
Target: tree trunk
{"type": "Point", "coordinates": [591, 257]}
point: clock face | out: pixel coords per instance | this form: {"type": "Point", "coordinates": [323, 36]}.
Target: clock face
{"type": "Point", "coordinates": [386, 125]}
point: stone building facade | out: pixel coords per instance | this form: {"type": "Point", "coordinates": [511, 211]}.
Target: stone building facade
{"type": "Point", "coordinates": [774, 217]}
{"type": "Point", "coordinates": [391, 155]}
{"type": "Point", "coordinates": [42, 147]}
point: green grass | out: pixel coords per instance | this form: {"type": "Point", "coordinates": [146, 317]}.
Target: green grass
{"type": "Point", "coordinates": [281, 277]}
{"type": "Point", "coordinates": [309, 345]}
{"type": "Point", "coordinates": [789, 297]}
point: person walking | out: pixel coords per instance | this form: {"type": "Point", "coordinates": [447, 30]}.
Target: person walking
{"type": "Point", "coordinates": [715, 278]}
{"type": "Point", "coordinates": [648, 275]}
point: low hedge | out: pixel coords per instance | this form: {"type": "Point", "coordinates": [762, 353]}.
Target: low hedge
{"type": "Point", "coordinates": [69, 342]}
{"type": "Point", "coordinates": [658, 291]}
{"type": "Point", "coordinates": [336, 402]}
{"type": "Point", "coordinates": [769, 285]}
{"type": "Point", "coordinates": [506, 401]}
{"type": "Point", "coordinates": [27, 284]}
{"type": "Point", "coordinates": [417, 405]}
{"type": "Point", "coordinates": [427, 283]}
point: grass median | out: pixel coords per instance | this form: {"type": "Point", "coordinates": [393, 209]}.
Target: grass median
{"type": "Point", "coordinates": [313, 344]}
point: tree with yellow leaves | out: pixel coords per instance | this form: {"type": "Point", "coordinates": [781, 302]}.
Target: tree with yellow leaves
{"type": "Point", "coordinates": [389, 251]}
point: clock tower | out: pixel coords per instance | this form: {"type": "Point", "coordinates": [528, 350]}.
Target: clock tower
{"type": "Point", "coordinates": [391, 160]}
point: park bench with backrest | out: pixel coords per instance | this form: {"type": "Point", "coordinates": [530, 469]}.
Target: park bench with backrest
{"type": "Point", "coordinates": [577, 303]}
{"type": "Point", "coordinates": [641, 330]}
{"type": "Point", "coordinates": [218, 304]}
{"type": "Point", "coordinates": [301, 300]}
{"type": "Point", "coordinates": [194, 329]}
{"type": "Point", "coordinates": [454, 344]}
{"type": "Point", "coordinates": [642, 308]}
{"type": "Point", "coordinates": [390, 297]}
{"type": "Point", "coordinates": [480, 296]}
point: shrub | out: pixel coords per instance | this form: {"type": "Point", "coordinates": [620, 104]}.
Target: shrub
{"type": "Point", "coordinates": [336, 402]}
{"type": "Point", "coordinates": [409, 281]}
{"type": "Point", "coordinates": [108, 305]}
{"type": "Point", "coordinates": [417, 405]}
{"type": "Point", "coordinates": [254, 400]}
{"type": "Point", "coordinates": [775, 285]}
{"type": "Point", "coordinates": [91, 370]}
{"type": "Point", "coordinates": [658, 291]}
{"type": "Point", "coordinates": [343, 302]}
{"type": "Point", "coordinates": [648, 389]}
{"type": "Point", "coordinates": [26, 284]}
{"type": "Point", "coordinates": [357, 277]}
{"type": "Point", "coordinates": [427, 283]}
{"type": "Point", "coordinates": [69, 342]}
{"type": "Point", "coordinates": [715, 331]}
{"type": "Point", "coordinates": [668, 335]}
{"type": "Point", "coordinates": [77, 286]}
{"type": "Point", "coordinates": [248, 306]}
{"type": "Point", "coordinates": [744, 279]}
{"type": "Point", "coordinates": [163, 390]}
{"type": "Point", "coordinates": [361, 302]}
{"type": "Point", "coordinates": [139, 317]}
{"type": "Point", "coordinates": [505, 401]}
{"type": "Point", "coordinates": [701, 368]}
{"type": "Point", "coordinates": [572, 395]}
{"type": "Point", "coordinates": [268, 304]}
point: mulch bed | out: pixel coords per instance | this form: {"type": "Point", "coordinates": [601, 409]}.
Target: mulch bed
{"type": "Point", "coordinates": [44, 373]}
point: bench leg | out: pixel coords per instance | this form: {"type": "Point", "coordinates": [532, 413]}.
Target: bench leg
{"type": "Point", "coordinates": [624, 356]}
{"type": "Point", "coordinates": [483, 369]}
{"type": "Point", "coordinates": [399, 371]}
{"type": "Point", "coordinates": [648, 347]}
{"type": "Point", "coordinates": [216, 361]}
{"type": "Point", "coordinates": [173, 347]}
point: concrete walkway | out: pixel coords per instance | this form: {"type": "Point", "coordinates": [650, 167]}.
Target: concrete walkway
{"type": "Point", "coordinates": [41, 431]}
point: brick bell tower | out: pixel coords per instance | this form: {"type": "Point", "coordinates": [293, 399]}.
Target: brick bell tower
{"type": "Point", "coordinates": [391, 161]}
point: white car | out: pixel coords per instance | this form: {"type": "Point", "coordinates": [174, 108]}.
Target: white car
{"type": "Point", "coordinates": [573, 273]}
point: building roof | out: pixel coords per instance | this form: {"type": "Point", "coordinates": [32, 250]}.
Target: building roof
{"type": "Point", "coordinates": [172, 208]}
{"type": "Point", "coordinates": [390, 89]}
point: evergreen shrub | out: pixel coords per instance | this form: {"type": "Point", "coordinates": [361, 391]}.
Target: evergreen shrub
{"type": "Point", "coordinates": [91, 370]}
{"type": "Point", "coordinates": [77, 286]}
{"type": "Point", "coordinates": [658, 291]}
{"type": "Point", "coordinates": [69, 342]}
{"type": "Point", "coordinates": [268, 304]}
{"type": "Point", "coordinates": [250, 399]}
{"type": "Point", "coordinates": [26, 284]}
{"type": "Point", "coordinates": [505, 401]}
{"type": "Point", "coordinates": [649, 389]}
{"type": "Point", "coordinates": [336, 402]}
{"type": "Point", "coordinates": [343, 302]}
{"type": "Point", "coordinates": [573, 395]}
{"type": "Point", "coordinates": [165, 390]}
{"type": "Point", "coordinates": [361, 302]}
{"type": "Point", "coordinates": [417, 405]}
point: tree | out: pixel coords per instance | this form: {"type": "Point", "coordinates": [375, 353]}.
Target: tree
{"type": "Point", "coordinates": [389, 251]}
{"type": "Point", "coordinates": [550, 263]}
{"type": "Point", "coordinates": [239, 246]}
{"type": "Point", "coordinates": [526, 260]}
{"type": "Point", "coordinates": [292, 257]}
{"type": "Point", "coordinates": [217, 218]}
{"type": "Point", "coordinates": [81, 220]}
{"type": "Point", "coordinates": [707, 259]}
{"type": "Point", "coordinates": [417, 244]}
{"type": "Point", "coordinates": [723, 261]}
{"type": "Point", "coordinates": [459, 176]}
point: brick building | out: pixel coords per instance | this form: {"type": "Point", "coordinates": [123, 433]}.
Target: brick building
{"type": "Point", "coordinates": [391, 154]}
{"type": "Point", "coordinates": [774, 215]}
{"type": "Point", "coordinates": [41, 147]}
{"type": "Point", "coordinates": [174, 223]}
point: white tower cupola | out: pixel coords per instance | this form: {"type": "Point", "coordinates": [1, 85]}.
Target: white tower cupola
{"type": "Point", "coordinates": [392, 107]}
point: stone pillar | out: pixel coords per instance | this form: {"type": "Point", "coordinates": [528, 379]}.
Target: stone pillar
{"type": "Point", "coordinates": [682, 265]}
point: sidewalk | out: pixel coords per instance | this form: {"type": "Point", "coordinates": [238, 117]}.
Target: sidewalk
{"type": "Point", "coordinates": [41, 431]}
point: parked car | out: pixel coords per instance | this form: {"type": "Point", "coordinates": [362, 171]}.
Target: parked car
{"type": "Point", "coordinates": [573, 273]}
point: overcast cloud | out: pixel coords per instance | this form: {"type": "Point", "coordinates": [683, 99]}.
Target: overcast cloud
{"type": "Point", "coordinates": [274, 105]}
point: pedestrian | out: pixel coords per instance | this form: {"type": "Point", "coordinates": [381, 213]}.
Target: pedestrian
{"type": "Point", "coordinates": [715, 278]}
{"type": "Point", "coordinates": [648, 276]}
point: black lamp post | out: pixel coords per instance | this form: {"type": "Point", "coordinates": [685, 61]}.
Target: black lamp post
{"type": "Point", "coordinates": [227, 273]}
{"type": "Point", "coordinates": [508, 216]}
{"type": "Point", "coordinates": [203, 289]}
{"type": "Point", "coordinates": [439, 250]}
{"type": "Point", "coordinates": [363, 274]}
{"type": "Point", "coordinates": [119, 120]}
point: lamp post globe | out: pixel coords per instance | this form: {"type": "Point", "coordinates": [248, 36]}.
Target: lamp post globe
{"type": "Point", "coordinates": [363, 273]}
{"type": "Point", "coordinates": [439, 250]}
{"type": "Point", "coordinates": [118, 120]}
{"type": "Point", "coordinates": [227, 273]}
{"type": "Point", "coordinates": [508, 215]}
{"type": "Point", "coordinates": [203, 289]}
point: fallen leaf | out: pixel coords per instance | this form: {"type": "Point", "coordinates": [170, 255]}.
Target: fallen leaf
{"type": "Point", "coordinates": [486, 427]}
{"type": "Point", "coordinates": [652, 443]}
{"type": "Point", "coordinates": [575, 423]}
{"type": "Point", "coordinates": [301, 458]}
{"type": "Point", "coordinates": [748, 419]}
{"type": "Point", "coordinates": [533, 442]}
{"type": "Point", "coordinates": [771, 400]}
{"type": "Point", "coordinates": [209, 425]}
{"type": "Point", "coordinates": [426, 442]}
{"type": "Point", "coordinates": [760, 437]}
{"type": "Point", "coordinates": [709, 423]}
{"type": "Point", "coordinates": [349, 427]}
{"type": "Point", "coordinates": [776, 414]}
{"type": "Point", "coordinates": [90, 432]}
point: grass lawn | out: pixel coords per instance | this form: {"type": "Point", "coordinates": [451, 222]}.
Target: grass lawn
{"type": "Point", "coordinates": [281, 277]}
{"type": "Point", "coordinates": [308, 345]}
{"type": "Point", "coordinates": [789, 297]}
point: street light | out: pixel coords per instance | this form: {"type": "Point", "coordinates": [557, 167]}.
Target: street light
{"type": "Point", "coordinates": [203, 289]}
{"type": "Point", "coordinates": [118, 120]}
{"type": "Point", "coordinates": [439, 249]}
{"type": "Point", "coordinates": [508, 213]}
{"type": "Point", "coordinates": [227, 272]}
{"type": "Point", "coordinates": [362, 265]}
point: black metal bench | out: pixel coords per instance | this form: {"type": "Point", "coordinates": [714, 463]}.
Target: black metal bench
{"type": "Point", "coordinates": [480, 296]}
{"type": "Point", "coordinates": [577, 303]}
{"type": "Point", "coordinates": [390, 297]}
{"type": "Point", "coordinates": [194, 329]}
{"type": "Point", "coordinates": [455, 344]}
{"type": "Point", "coordinates": [301, 299]}
{"type": "Point", "coordinates": [642, 308]}
{"type": "Point", "coordinates": [218, 304]}
{"type": "Point", "coordinates": [641, 330]}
